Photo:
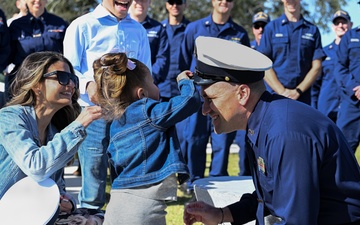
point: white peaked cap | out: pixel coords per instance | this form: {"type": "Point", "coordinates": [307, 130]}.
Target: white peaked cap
{"type": "Point", "coordinates": [224, 60]}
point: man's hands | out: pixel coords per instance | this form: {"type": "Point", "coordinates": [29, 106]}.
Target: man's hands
{"type": "Point", "coordinates": [204, 213]}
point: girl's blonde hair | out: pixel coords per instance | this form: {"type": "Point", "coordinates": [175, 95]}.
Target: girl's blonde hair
{"type": "Point", "coordinates": [117, 78]}
{"type": "Point", "coordinates": [30, 74]}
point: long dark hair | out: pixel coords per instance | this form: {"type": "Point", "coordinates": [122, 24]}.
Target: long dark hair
{"type": "Point", "coordinates": [30, 73]}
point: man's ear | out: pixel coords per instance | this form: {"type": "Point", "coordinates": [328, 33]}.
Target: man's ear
{"type": "Point", "coordinates": [140, 93]}
{"type": "Point", "coordinates": [243, 94]}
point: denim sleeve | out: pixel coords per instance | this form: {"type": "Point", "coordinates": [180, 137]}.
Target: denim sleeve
{"type": "Point", "coordinates": [19, 137]}
{"type": "Point", "coordinates": [167, 114]}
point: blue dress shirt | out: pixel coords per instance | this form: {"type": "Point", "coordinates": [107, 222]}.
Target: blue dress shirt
{"type": "Point", "coordinates": [94, 34]}
{"type": "Point", "coordinates": [160, 50]}
{"type": "Point", "coordinates": [292, 47]}
{"type": "Point", "coordinates": [325, 91]}
{"type": "Point", "coordinates": [175, 34]}
{"type": "Point", "coordinates": [30, 34]}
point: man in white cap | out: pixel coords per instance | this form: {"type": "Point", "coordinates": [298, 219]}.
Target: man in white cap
{"type": "Point", "coordinates": [303, 170]}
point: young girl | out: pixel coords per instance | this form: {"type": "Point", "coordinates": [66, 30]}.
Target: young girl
{"type": "Point", "coordinates": [144, 149]}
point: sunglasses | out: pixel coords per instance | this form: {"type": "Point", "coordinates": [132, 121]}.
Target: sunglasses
{"type": "Point", "coordinates": [63, 77]}
{"type": "Point", "coordinates": [258, 25]}
{"type": "Point", "coordinates": [177, 2]}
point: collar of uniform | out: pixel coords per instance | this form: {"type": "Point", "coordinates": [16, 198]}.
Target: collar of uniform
{"type": "Point", "coordinates": [31, 17]}
{"type": "Point", "coordinates": [101, 12]}
{"type": "Point", "coordinates": [208, 21]}
{"type": "Point", "coordinates": [147, 20]}
{"type": "Point", "coordinates": [256, 117]}
{"type": "Point", "coordinates": [284, 19]}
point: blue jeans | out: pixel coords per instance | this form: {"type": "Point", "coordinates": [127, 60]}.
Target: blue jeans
{"type": "Point", "coordinates": [94, 165]}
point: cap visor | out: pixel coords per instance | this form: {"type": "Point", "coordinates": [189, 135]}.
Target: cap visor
{"type": "Point", "coordinates": [200, 81]}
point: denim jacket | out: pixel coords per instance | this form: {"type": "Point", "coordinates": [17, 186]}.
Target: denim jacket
{"type": "Point", "coordinates": [144, 148]}
{"type": "Point", "coordinates": [21, 153]}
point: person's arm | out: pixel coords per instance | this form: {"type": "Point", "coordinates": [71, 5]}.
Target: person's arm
{"type": "Point", "coordinates": [206, 214]}
{"type": "Point", "coordinates": [311, 76]}
{"type": "Point", "coordinates": [293, 178]}
{"type": "Point", "coordinates": [237, 213]}
{"type": "Point", "coordinates": [41, 162]}
{"type": "Point", "coordinates": [272, 80]}
{"type": "Point", "coordinates": [187, 49]}
{"type": "Point", "coordinates": [161, 65]}
{"type": "Point", "coordinates": [343, 76]}
{"type": "Point", "coordinates": [4, 43]}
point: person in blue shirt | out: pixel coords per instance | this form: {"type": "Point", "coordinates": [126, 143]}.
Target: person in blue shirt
{"type": "Point", "coordinates": [303, 169]}
{"type": "Point", "coordinates": [347, 75]}
{"type": "Point", "coordinates": [144, 149]}
{"type": "Point", "coordinates": [259, 21]}
{"type": "Point", "coordinates": [4, 42]}
{"type": "Point", "coordinates": [175, 26]}
{"type": "Point", "coordinates": [156, 32]}
{"type": "Point", "coordinates": [42, 126]}
{"type": "Point", "coordinates": [325, 94]}
{"type": "Point", "coordinates": [37, 31]}
{"type": "Point", "coordinates": [199, 129]}
{"type": "Point", "coordinates": [108, 28]}
{"type": "Point", "coordinates": [294, 45]}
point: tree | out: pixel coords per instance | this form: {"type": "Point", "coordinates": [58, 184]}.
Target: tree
{"type": "Point", "coordinates": [244, 9]}
{"type": "Point", "coordinates": [68, 10]}
{"type": "Point", "coordinates": [313, 10]}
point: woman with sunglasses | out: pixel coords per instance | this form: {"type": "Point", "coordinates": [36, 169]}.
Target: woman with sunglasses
{"type": "Point", "coordinates": [41, 128]}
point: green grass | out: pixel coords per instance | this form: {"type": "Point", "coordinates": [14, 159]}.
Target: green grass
{"type": "Point", "coordinates": [175, 209]}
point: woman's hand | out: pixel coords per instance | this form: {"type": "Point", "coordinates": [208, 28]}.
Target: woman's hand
{"type": "Point", "coordinates": [89, 114]}
{"type": "Point", "coordinates": [65, 204]}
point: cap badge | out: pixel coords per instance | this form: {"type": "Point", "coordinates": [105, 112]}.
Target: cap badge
{"type": "Point", "coordinates": [227, 78]}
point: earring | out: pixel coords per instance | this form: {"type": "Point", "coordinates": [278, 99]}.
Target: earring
{"type": "Point", "coordinates": [39, 92]}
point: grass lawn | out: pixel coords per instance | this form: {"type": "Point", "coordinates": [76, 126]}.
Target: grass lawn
{"type": "Point", "coordinates": [175, 209]}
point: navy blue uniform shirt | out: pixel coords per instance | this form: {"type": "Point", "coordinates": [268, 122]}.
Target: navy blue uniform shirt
{"type": "Point", "coordinates": [4, 42]}
{"type": "Point", "coordinates": [303, 169]}
{"type": "Point", "coordinates": [292, 47]}
{"type": "Point", "coordinates": [30, 34]}
{"type": "Point", "coordinates": [206, 27]}
{"type": "Point", "coordinates": [348, 66]}
{"type": "Point", "coordinates": [160, 51]}
{"type": "Point", "coordinates": [175, 33]}
{"type": "Point", "coordinates": [325, 91]}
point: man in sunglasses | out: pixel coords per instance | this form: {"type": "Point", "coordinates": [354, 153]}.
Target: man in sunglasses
{"type": "Point", "coordinates": [325, 94]}
{"type": "Point", "coordinates": [259, 22]}
{"type": "Point", "coordinates": [199, 127]}
{"type": "Point", "coordinates": [294, 45]}
{"type": "Point", "coordinates": [175, 26]}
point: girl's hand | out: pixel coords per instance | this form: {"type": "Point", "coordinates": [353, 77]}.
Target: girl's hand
{"type": "Point", "coordinates": [184, 75]}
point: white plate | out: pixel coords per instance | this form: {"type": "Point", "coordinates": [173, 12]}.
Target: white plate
{"type": "Point", "coordinates": [29, 202]}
